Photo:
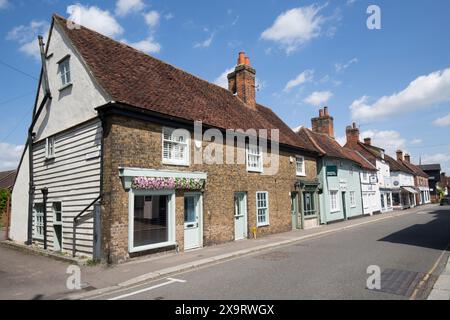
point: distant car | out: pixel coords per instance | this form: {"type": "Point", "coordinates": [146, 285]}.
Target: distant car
{"type": "Point", "coordinates": [445, 201]}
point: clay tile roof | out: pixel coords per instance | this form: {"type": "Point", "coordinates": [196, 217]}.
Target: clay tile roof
{"type": "Point", "coordinates": [416, 169]}
{"type": "Point", "coordinates": [397, 165]}
{"type": "Point", "coordinates": [134, 78]}
{"type": "Point", "coordinates": [7, 179]}
{"type": "Point", "coordinates": [330, 147]}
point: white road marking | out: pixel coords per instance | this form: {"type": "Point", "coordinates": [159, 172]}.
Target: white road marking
{"type": "Point", "coordinates": [171, 280]}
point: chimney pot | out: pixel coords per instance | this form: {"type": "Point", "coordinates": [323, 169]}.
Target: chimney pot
{"type": "Point", "coordinates": [241, 58]}
{"type": "Point", "coordinates": [399, 155]}
{"type": "Point", "coordinates": [323, 123]}
{"type": "Point", "coordinates": [368, 141]}
{"type": "Point", "coordinates": [321, 113]}
{"type": "Point", "coordinates": [242, 81]}
{"type": "Point", "coordinates": [408, 158]}
{"type": "Point", "coordinates": [325, 111]}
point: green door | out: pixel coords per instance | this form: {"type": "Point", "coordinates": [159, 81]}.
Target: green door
{"type": "Point", "coordinates": [294, 210]}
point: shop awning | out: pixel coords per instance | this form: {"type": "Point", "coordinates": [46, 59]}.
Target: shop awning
{"type": "Point", "coordinates": [410, 190]}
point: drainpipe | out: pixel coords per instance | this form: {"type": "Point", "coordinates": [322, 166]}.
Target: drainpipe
{"type": "Point", "coordinates": [45, 196]}
{"type": "Point", "coordinates": [30, 140]}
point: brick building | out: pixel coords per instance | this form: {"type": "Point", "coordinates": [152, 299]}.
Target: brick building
{"type": "Point", "coordinates": [118, 168]}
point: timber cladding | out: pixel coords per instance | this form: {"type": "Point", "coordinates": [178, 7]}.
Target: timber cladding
{"type": "Point", "coordinates": [134, 143]}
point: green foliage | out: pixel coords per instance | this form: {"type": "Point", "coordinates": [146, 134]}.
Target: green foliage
{"type": "Point", "coordinates": [4, 195]}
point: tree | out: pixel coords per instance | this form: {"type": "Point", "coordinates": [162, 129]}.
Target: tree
{"type": "Point", "coordinates": [4, 195]}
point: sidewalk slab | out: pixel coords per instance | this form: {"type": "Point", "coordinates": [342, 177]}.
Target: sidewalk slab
{"type": "Point", "coordinates": [441, 288]}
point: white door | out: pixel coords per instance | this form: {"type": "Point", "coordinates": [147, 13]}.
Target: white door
{"type": "Point", "coordinates": [192, 222]}
{"type": "Point", "coordinates": [240, 216]}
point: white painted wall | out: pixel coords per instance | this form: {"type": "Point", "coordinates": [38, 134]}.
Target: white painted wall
{"type": "Point", "coordinates": [370, 192]}
{"type": "Point", "coordinates": [19, 203]}
{"type": "Point", "coordinates": [383, 174]}
{"type": "Point", "coordinates": [72, 105]}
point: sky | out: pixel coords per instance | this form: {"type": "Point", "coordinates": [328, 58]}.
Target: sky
{"type": "Point", "coordinates": [393, 81]}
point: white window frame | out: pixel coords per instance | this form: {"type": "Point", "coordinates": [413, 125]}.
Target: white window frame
{"type": "Point", "coordinates": [259, 156]}
{"type": "Point", "coordinates": [50, 149]}
{"type": "Point", "coordinates": [55, 222]}
{"type": "Point", "coordinates": [337, 208]}
{"type": "Point", "coordinates": [37, 215]}
{"type": "Point", "coordinates": [352, 195]}
{"type": "Point", "coordinates": [267, 222]}
{"type": "Point", "coordinates": [176, 133]}
{"type": "Point", "coordinates": [170, 216]}
{"type": "Point", "coordinates": [303, 171]}
{"type": "Point", "coordinates": [64, 72]}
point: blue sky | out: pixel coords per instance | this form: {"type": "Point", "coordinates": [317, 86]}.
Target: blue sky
{"type": "Point", "coordinates": [394, 82]}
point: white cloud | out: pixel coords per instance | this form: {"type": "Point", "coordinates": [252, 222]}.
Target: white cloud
{"type": "Point", "coordinates": [350, 2]}
{"type": "Point", "coordinates": [206, 43]}
{"type": "Point", "coordinates": [435, 158]}
{"type": "Point", "coordinates": [423, 92]}
{"type": "Point", "coordinates": [318, 98]}
{"type": "Point", "coordinates": [148, 45]}
{"type": "Point", "coordinates": [9, 156]}
{"type": "Point", "coordinates": [305, 76]}
{"type": "Point", "coordinates": [3, 4]}
{"type": "Point", "coordinates": [124, 7]}
{"type": "Point", "coordinates": [389, 140]}
{"type": "Point", "coordinates": [152, 18]}
{"type": "Point", "coordinates": [442, 122]}
{"type": "Point", "coordinates": [343, 66]}
{"type": "Point", "coordinates": [96, 19]}
{"type": "Point", "coordinates": [26, 37]}
{"type": "Point", "coordinates": [169, 16]}
{"type": "Point", "coordinates": [222, 80]}
{"type": "Point", "coordinates": [416, 141]}
{"type": "Point", "coordinates": [295, 27]}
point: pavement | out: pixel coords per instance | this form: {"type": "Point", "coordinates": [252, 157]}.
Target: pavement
{"type": "Point", "coordinates": [299, 255]}
{"type": "Point", "coordinates": [441, 289]}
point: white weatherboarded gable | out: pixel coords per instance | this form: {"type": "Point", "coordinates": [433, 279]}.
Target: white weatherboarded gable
{"type": "Point", "coordinates": [74, 104]}
{"type": "Point", "coordinates": [73, 176]}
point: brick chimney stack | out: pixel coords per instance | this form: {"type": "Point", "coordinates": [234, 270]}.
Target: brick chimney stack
{"type": "Point", "coordinates": [324, 123]}
{"type": "Point", "coordinates": [407, 158]}
{"type": "Point", "coordinates": [242, 81]}
{"type": "Point", "coordinates": [400, 155]}
{"type": "Point", "coordinates": [352, 134]}
{"type": "Point", "coordinates": [368, 141]}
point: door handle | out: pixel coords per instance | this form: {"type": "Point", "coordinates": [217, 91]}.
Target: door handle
{"type": "Point", "coordinates": [190, 225]}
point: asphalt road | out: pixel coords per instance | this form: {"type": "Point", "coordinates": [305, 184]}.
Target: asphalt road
{"type": "Point", "coordinates": [333, 266]}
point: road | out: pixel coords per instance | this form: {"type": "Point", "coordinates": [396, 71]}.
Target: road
{"type": "Point", "coordinates": [333, 266]}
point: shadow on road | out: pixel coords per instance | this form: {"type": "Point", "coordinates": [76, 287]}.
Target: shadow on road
{"type": "Point", "coordinates": [434, 234]}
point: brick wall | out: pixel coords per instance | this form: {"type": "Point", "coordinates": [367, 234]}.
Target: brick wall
{"type": "Point", "coordinates": [133, 143]}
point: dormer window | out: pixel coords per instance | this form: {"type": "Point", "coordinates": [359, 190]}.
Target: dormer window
{"type": "Point", "coordinates": [64, 72]}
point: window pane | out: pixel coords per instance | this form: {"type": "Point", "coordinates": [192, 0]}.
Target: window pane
{"type": "Point", "coordinates": [150, 220]}
{"type": "Point", "coordinates": [189, 209]}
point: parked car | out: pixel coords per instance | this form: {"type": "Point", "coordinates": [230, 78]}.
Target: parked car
{"type": "Point", "coordinates": [445, 201]}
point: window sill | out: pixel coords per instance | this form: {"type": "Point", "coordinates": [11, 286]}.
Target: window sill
{"type": "Point", "coordinates": [301, 174]}
{"type": "Point", "coordinates": [152, 246]}
{"type": "Point", "coordinates": [50, 158]}
{"type": "Point", "coordinates": [335, 211]}
{"type": "Point", "coordinates": [263, 225]}
{"type": "Point", "coordinates": [65, 87]}
{"type": "Point", "coordinates": [174, 163]}
{"type": "Point", "coordinates": [255, 170]}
